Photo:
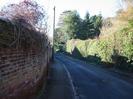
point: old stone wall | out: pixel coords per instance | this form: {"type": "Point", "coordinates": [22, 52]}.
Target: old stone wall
{"type": "Point", "coordinates": [24, 59]}
{"type": "Point", "coordinates": [21, 70]}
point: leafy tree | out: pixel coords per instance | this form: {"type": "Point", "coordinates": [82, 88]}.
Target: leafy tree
{"type": "Point", "coordinates": [68, 28]}
{"type": "Point", "coordinates": [90, 27]}
{"type": "Point", "coordinates": [69, 23]}
{"type": "Point", "coordinates": [71, 26]}
{"type": "Point", "coordinates": [59, 40]}
{"type": "Point", "coordinates": [87, 28]}
{"type": "Point", "coordinates": [97, 23]}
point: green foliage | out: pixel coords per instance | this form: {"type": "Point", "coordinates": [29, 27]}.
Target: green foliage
{"type": "Point", "coordinates": [90, 27]}
{"type": "Point", "coordinates": [87, 28]}
{"type": "Point", "coordinates": [71, 26]}
{"type": "Point", "coordinates": [127, 44]}
{"type": "Point", "coordinates": [69, 23]}
{"type": "Point", "coordinates": [114, 46]}
{"type": "Point", "coordinates": [101, 48]}
{"type": "Point", "coordinates": [59, 40]}
{"type": "Point", "coordinates": [97, 23]}
{"type": "Point", "coordinates": [116, 49]}
{"type": "Point", "coordinates": [68, 28]}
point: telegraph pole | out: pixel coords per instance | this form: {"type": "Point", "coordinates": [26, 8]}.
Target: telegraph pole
{"type": "Point", "coordinates": [54, 24]}
{"type": "Point", "coordinates": [53, 33]}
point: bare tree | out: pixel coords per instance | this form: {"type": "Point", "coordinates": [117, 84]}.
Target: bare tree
{"type": "Point", "coordinates": [27, 11]}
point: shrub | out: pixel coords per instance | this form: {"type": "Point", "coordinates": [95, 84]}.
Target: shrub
{"type": "Point", "coordinates": [102, 49]}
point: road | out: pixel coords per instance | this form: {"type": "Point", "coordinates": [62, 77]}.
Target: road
{"type": "Point", "coordinates": [84, 81]}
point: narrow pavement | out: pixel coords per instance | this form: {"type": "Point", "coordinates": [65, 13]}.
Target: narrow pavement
{"type": "Point", "coordinates": [73, 79]}
{"type": "Point", "coordinates": [58, 85]}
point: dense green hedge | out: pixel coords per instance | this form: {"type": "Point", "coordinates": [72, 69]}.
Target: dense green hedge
{"type": "Point", "coordinates": [100, 48]}
{"type": "Point", "coordinates": [116, 48]}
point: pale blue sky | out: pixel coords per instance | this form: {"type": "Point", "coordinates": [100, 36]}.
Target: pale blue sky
{"type": "Point", "coordinates": [106, 7]}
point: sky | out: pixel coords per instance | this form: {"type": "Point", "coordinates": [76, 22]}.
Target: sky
{"type": "Point", "coordinates": [105, 7]}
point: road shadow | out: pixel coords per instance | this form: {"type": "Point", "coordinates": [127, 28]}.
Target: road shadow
{"type": "Point", "coordinates": [90, 58]}
{"type": "Point", "coordinates": [118, 61]}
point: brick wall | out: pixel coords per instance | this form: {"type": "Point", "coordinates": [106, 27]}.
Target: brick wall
{"type": "Point", "coordinates": [21, 71]}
